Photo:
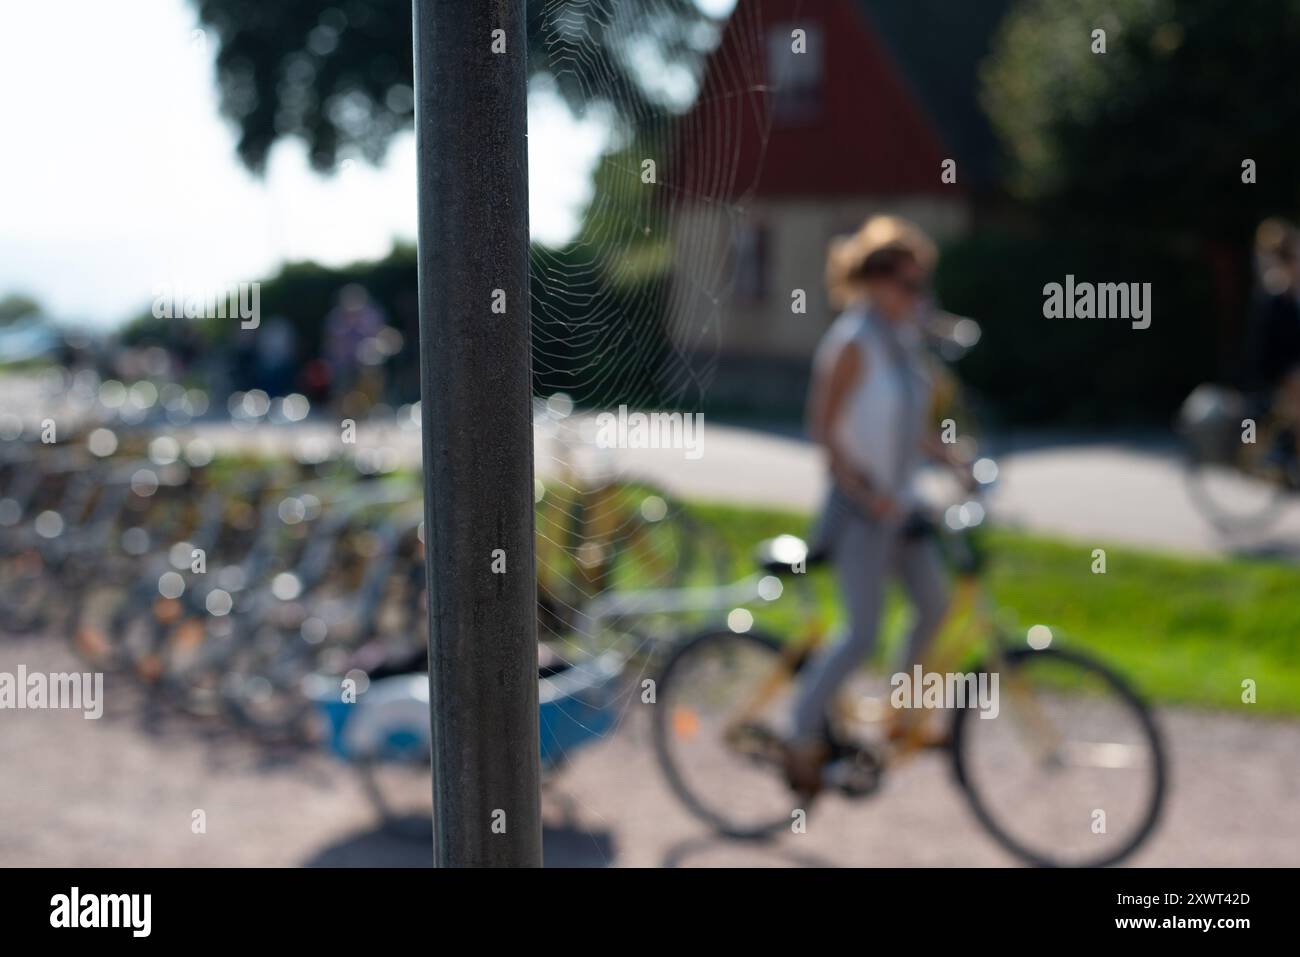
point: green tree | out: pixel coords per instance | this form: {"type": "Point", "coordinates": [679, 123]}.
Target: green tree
{"type": "Point", "coordinates": [1150, 137]}
{"type": "Point", "coordinates": [16, 306]}
{"type": "Point", "coordinates": [339, 76]}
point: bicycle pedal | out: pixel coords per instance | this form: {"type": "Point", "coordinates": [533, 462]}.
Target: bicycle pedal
{"type": "Point", "coordinates": [855, 775]}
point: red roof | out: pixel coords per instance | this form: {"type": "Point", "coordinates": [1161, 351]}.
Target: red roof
{"type": "Point", "coordinates": [859, 130]}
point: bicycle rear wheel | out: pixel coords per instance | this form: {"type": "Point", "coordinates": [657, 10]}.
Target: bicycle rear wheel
{"type": "Point", "coordinates": [1071, 771]}
{"type": "Point", "coordinates": [1231, 499]}
{"type": "Point", "coordinates": [720, 697]}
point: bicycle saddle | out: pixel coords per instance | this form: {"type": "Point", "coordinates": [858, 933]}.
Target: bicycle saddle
{"type": "Point", "coordinates": [787, 555]}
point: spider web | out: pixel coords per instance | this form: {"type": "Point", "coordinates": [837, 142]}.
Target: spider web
{"type": "Point", "coordinates": [673, 190]}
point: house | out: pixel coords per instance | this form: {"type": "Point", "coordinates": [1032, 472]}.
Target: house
{"type": "Point", "coordinates": [810, 117]}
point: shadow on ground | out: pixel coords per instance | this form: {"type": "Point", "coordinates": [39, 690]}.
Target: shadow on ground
{"type": "Point", "coordinates": [697, 851]}
{"type": "Point", "coordinates": [406, 842]}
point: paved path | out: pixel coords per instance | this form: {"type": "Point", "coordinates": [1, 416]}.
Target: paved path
{"type": "Point", "coordinates": [121, 791]}
{"type": "Point", "coordinates": [1097, 491]}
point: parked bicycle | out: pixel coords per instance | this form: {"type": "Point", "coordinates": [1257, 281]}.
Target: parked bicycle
{"type": "Point", "coordinates": [225, 586]}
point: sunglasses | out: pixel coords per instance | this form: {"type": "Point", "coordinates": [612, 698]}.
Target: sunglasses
{"type": "Point", "coordinates": [913, 286]}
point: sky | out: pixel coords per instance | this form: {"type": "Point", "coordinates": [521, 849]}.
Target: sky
{"type": "Point", "coordinates": [117, 175]}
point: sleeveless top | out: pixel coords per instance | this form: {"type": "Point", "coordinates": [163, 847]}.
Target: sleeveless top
{"type": "Point", "coordinates": [884, 418]}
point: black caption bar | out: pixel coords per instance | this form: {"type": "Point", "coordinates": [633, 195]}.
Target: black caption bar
{"type": "Point", "coordinates": [369, 906]}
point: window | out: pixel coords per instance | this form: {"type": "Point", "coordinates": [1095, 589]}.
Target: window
{"type": "Point", "coordinates": [795, 78]}
{"type": "Point", "coordinates": [749, 261]}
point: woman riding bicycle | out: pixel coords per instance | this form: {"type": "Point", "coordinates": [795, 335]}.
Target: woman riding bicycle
{"type": "Point", "coordinates": [870, 408]}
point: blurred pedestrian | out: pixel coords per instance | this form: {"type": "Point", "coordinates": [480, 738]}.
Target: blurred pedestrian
{"type": "Point", "coordinates": [277, 356]}
{"type": "Point", "coordinates": [350, 329]}
{"type": "Point", "coordinates": [1272, 354]}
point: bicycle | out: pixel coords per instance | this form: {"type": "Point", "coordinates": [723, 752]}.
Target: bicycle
{"type": "Point", "coordinates": [723, 693]}
{"type": "Point", "coordinates": [598, 535]}
{"type": "Point", "coordinates": [1238, 480]}
{"type": "Point", "coordinates": [212, 646]}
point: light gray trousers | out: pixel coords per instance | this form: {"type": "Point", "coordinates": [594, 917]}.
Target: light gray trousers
{"type": "Point", "coordinates": [865, 552]}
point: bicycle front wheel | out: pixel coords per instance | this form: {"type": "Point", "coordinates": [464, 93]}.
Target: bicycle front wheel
{"type": "Point", "coordinates": [1069, 770]}
{"type": "Point", "coordinates": [721, 698]}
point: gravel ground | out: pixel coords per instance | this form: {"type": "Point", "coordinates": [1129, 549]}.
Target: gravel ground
{"type": "Point", "coordinates": [121, 791]}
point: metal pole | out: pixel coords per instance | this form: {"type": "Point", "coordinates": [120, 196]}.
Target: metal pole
{"type": "Point", "coordinates": [476, 393]}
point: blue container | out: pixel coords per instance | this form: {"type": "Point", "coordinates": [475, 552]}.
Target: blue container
{"type": "Point", "coordinates": [579, 705]}
{"type": "Point", "coordinates": [390, 720]}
